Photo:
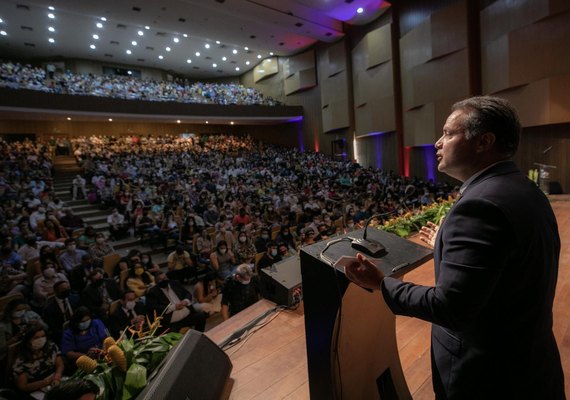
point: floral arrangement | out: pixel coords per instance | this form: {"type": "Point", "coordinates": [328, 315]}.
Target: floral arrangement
{"type": "Point", "coordinates": [122, 368]}
{"type": "Point", "coordinates": [412, 221]}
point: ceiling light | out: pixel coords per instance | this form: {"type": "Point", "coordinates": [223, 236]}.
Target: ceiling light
{"type": "Point", "coordinates": [140, 33]}
{"type": "Point", "coordinates": [360, 10]}
{"type": "Point", "coordinates": [129, 72]}
{"type": "Point", "coordinates": [207, 46]}
{"type": "Point", "coordinates": [51, 16]}
{"type": "Point", "coordinates": [237, 68]}
{"type": "Point", "coordinates": [232, 122]}
{"type": "Point", "coordinates": [51, 40]}
{"type": "Point", "coordinates": [185, 35]}
{"type": "Point", "coordinates": [147, 27]}
{"type": "Point", "coordinates": [217, 42]}
{"type": "Point", "coordinates": [215, 65]}
{"type": "Point", "coordinates": [270, 53]}
{"type": "Point", "coordinates": [3, 33]}
{"type": "Point", "coordinates": [51, 8]}
{"type": "Point", "coordinates": [234, 51]}
{"type": "Point", "coordinates": [177, 121]}
{"type": "Point", "coordinates": [259, 56]}
{"type": "Point", "coordinates": [99, 25]}
{"type": "Point", "coordinates": [176, 40]}
{"type": "Point", "coordinates": [168, 49]}
{"type": "Point", "coordinates": [197, 54]}
{"type": "Point", "coordinates": [96, 37]}
{"type": "Point", "coordinates": [69, 118]}
{"type": "Point", "coordinates": [247, 63]}
{"type": "Point", "coordinates": [51, 29]}
{"type": "Point", "coordinates": [224, 58]}
{"type": "Point", "coordinates": [1, 20]}
{"type": "Point", "coordinates": [160, 57]}
{"type": "Point", "coordinates": [103, 19]}
{"type": "Point", "coordinates": [93, 47]}
{"type": "Point", "coordinates": [189, 61]}
{"type": "Point", "coordinates": [246, 48]}
{"type": "Point", "coordinates": [207, 122]}
{"type": "Point", "coordinates": [110, 119]}
{"type": "Point", "coordinates": [134, 43]}
{"type": "Point", "coordinates": [129, 52]}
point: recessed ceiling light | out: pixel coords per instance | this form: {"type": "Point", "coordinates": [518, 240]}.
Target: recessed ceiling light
{"type": "Point", "coordinates": [197, 54]}
{"type": "Point", "coordinates": [360, 10]}
{"type": "Point", "coordinates": [207, 46]}
{"type": "Point", "coordinates": [270, 53]}
{"type": "Point", "coordinates": [51, 40]}
{"type": "Point", "coordinates": [224, 58]}
{"type": "Point", "coordinates": [215, 65]}
{"type": "Point", "coordinates": [1, 21]}
{"type": "Point", "coordinates": [51, 29]}
{"type": "Point", "coordinates": [234, 51]}
{"type": "Point", "coordinates": [129, 52]}
{"type": "Point", "coordinates": [51, 8]}
{"type": "Point", "coordinates": [176, 40]}
{"type": "Point", "coordinates": [96, 37]}
{"type": "Point", "coordinates": [160, 57]}
{"type": "Point", "coordinates": [246, 48]}
{"type": "Point", "coordinates": [51, 16]}
{"type": "Point", "coordinates": [177, 121]}
{"type": "Point", "coordinates": [185, 35]}
{"type": "Point", "coordinates": [207, 122]}
{"type": "Point", "coordinates": [99, 25]}
{"type": "Point", "coordinates": [147, 27]}
{"type": "Point", "coordinates": [134, 43]}
{"type": "Point", "coordinates": [259, 56]}
{"type": "Point", "coordinates": [168, 49]}
{"type": "Point", "coordinates": [189, 61]}
{"type": "Point", "coordinates": [232, 122]}
{"type": "Point", "coordinates": [237, 68]}
{"type": "Point", "coordinates": [103, 19]}
{"type": "Point", "coordinates": [218, 42]}
{"type": "Point", "coordinates": [129, 72]}
{"type": "Point", "coordinates": [140, 33]}
{"type": "Point", "coordinates": [69, 118]}
{"type": "Point", "coordinates": [110, 119]}
{"type": "Point", "coordinates": [3, 33]}
{"type": "Point", "coordinates": [92, 47]}
{"type": "Point", "coordinates": [247, 63]}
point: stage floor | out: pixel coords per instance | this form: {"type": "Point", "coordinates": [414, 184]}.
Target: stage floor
{"type": "Point", "coordinates": [272, 362]}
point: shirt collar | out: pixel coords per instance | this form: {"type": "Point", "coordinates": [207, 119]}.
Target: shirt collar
{"type": "Point", "coordinates": [469, 181]}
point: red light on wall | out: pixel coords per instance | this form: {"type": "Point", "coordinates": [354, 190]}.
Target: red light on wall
{"type": "Point", "coordinates": [407, 152]}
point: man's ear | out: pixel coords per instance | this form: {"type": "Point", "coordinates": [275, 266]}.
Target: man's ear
{"type": "Point", "coordinates": [485, 141]}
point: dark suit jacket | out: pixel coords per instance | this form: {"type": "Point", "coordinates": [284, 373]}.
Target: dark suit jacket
{"type": "Point", "coordinates": [119, 320]}
{"type": "Point", "coordinates": [496, 266]}
{"type": "Point", "coordinates": [91, 298]}
{"type": "Point", "coordinates": [157, 301]}
{"type": "Point", "coordinates": [54, 318]}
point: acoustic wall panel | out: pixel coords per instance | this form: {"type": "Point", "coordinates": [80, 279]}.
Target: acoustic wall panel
{"type": "Point", "coordinates": [300, 72]}
{"type": "Point", "coordinates": [334, 88]}
{"type": "Point", "coordinates": [265, 69]}
{"type": "Point", "coordinates": [379, 46]}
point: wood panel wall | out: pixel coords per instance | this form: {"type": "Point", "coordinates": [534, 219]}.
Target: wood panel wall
{"type": "Point", "coordinates": [334, 76]}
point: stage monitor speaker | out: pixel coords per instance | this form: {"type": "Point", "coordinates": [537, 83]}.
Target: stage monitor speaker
{"type": "Point", "coordinates": [282, 283]}
{"type": "Point", "coordinates": [196, 368]}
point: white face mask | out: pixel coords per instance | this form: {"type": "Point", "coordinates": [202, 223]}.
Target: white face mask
{"type": "Point", "coordinates": [71, 247]}
{"type": "Point", "coordinates": [223, 251]}
{"type": "Point", "coordinates": [38, 343]}
{"type": "Point", "coordinates": [100, 240]}
{"type": "Point", "coordinates": [130, 305]}
{"type": "Point", "coordinates": [49, 273]}
{"type": "Point", "coordinates": [242, 239]}
{"type": "Point", "coordinates": [273, 253]}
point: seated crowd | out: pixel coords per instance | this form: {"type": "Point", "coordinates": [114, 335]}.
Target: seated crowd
{"type": "Point", "coordinates": [17, 76]}
{"type": "Point", "coordinates": [228, 206]}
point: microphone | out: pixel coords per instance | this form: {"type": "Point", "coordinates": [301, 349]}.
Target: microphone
{"type": "Point", "coordinates": [547, 150]}
{"type": "Point", "coordinates": [371, 247]}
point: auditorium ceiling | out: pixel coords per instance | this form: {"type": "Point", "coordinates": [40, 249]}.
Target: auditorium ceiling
{"type": "Point", "coordinates": [195, 38]}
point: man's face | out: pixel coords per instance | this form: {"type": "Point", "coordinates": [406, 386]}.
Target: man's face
{"type": "Point", "coordinates": [129, 297]}
{"type": "Point", "coordinates": [455, 153]}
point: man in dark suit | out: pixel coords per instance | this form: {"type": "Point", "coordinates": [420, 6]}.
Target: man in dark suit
{"type": "Point", "coordinates": [169, 299]}
{"type": "Point", "coordinates": [59, 309]}
{"type": "Point", "coordinates": [129, 313]}
{"type": "Point", "coordinates": [496, 267]}
{"type": "Point", "coordinates": [100, 293]}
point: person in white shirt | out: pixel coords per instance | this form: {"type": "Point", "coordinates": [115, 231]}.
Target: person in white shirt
{"type": "Point", "coordinates": [79, 184]}
{"type": "Point", "coordinates": [117, 225]}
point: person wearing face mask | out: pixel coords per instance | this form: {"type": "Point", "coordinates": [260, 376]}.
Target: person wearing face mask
{"type": "Point", "coordinates": [43, 285]}
{"type": "Point", "coordinates": [36, 217]}
{"type": "Point", "coordinates": [71, 257]}
{"type": "Point", "coordinates": [129, 313]}
{"type": "Point", "coordinates": [240, 291]}
{"type": "Point", "coordinates": [211, 215]}
{"type": "Point", "coordinates": [148, 264]}
{"type": "Point", "coordinates": [139, 281]}
{"type": "Point", "coordinates": [117, 225]}
{"type": "Point", "coordinates": [285, 236]}
{"type": "Point", "coordinates": [223, 260]}
{"type": "Point", "coordinates": [270, 257]}
{"type": "Point", "coordinates": [171, 300]}
{"type": "Point", "coordinates": [84, 336]}
{"type": "Point", "coordinates": [100, 293]}
{"type": "Point", "coordinates": [180, 265]}
{"type": "Point", "coordinates": [244, 249]}
{"type": "Point", "coordinates": [59, 309]}
{"type": "Point", "coordinates": [38, 364]}
{"type": "Point", "coordinates": [100, 249]}
{"type": "Point", "coordinates": [261, 241]}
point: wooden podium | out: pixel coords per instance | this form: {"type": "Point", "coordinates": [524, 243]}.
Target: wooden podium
{"type": "Point", "coordinates": [350, 332]}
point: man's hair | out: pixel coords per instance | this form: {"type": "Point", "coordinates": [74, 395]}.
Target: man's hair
{"type": "Point", "coordinates": [244, 271]}
{"type": "Point", "coordinates": [492, 114]}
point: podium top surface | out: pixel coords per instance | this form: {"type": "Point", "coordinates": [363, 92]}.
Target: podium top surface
{"type": "Point", "coordinates": [402, 255]}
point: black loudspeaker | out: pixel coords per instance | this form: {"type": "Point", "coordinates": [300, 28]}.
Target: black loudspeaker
{"type": "Point", "coordinates": [281, 283]}
{"type": "Point", "coordinates": [196, 368]}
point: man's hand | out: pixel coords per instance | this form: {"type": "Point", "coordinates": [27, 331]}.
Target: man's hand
{"type": "Point", "coordinates": [364, 273]}
{"type": "Point", "coordinates": [428, 233]}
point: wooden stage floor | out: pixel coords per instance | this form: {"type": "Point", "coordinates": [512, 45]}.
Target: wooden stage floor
{"type": "Point", "coordinates": [272, 363]}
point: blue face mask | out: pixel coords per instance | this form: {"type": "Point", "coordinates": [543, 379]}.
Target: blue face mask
{"type": "Point", "coordinates": [84, 325]}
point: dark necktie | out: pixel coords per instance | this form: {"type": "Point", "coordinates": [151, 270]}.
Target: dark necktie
{"type": "Point", "coordinates": [67, 310]}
